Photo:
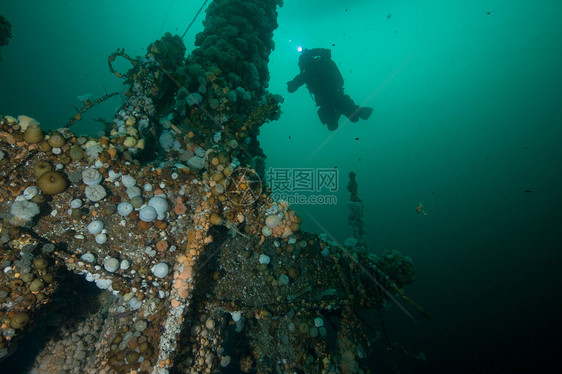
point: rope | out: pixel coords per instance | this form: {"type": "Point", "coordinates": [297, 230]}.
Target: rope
{"type": "Point", "coordinates": [194, 18]}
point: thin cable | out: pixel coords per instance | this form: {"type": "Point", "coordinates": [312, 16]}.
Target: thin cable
{"type": "Point", "coordinates": [166, 19]}
{"type": "Point", "coordinates": [194, 18]}
{"type": "Point", "coordinates": [364, 269]}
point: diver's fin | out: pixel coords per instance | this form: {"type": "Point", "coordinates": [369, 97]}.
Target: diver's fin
{"type": "Point", "coordinates": [365, 112]}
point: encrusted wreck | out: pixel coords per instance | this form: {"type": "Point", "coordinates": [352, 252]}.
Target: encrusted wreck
{"type": "Point", "coordinates": [156, 248]}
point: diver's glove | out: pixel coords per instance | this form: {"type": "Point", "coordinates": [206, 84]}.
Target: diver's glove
{"type": "Point", "coordinates": [291, 86]}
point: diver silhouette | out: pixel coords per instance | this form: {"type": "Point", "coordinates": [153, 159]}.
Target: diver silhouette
{"type": "Point", "coordinates": [325, 83]}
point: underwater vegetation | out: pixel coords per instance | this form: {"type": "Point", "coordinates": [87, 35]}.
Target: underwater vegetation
{"type": "Point", "coordinates": [156, 248]}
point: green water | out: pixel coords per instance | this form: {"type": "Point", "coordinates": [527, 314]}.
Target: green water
{"type": "Point", "coordinates": [467, 115]}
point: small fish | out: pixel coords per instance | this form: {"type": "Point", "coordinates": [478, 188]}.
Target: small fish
{"type": "Point", "coordinates": [528, 191]}
{"type": "Point", "coordinates": [356, 138]}
{"type": "Point", "coordinates": [420, 210]}
{"type": "Point", "coordinates": [290, 137]}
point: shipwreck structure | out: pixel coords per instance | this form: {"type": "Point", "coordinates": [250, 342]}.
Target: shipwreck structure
{"type": "Point", "coordinates": [156, 248]}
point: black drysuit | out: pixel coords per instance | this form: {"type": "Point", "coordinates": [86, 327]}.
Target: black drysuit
{"type": "Point", "coordinates": [325, 83]}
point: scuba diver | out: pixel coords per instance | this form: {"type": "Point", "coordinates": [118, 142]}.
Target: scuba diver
{"type": "Point", "coordinates": [325, 83]}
